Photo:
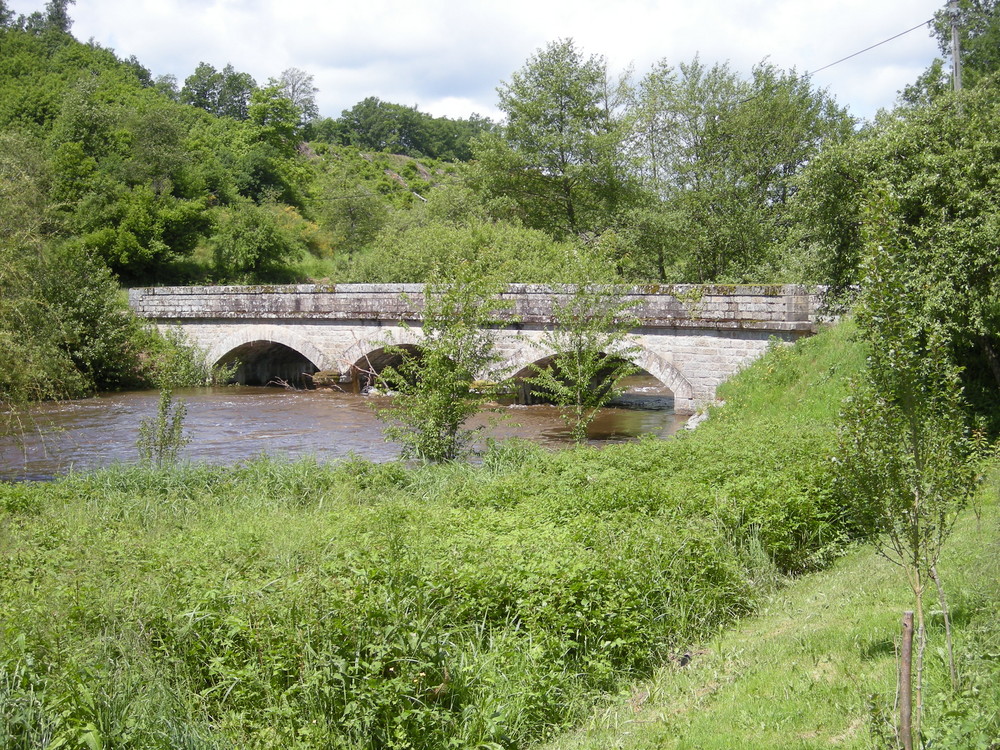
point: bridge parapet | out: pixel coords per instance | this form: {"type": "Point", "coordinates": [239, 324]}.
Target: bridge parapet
{"type": "Point", "coordinates": [787, 308]}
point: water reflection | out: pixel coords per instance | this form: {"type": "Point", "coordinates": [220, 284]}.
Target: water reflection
{"type": "Point", "coordinates": [234, 423]}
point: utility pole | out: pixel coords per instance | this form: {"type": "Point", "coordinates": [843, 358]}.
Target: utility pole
{"type": "Point", "coordinates": [956, 49]}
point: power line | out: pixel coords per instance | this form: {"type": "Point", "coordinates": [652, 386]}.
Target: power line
{"type": "Point", "coordinates": [853, 54]}
{"type": "Point", "coordinates": [866, 49]}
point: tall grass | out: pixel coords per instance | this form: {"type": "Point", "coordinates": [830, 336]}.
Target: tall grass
{"type": "Point", "coordinates": [363, 605]}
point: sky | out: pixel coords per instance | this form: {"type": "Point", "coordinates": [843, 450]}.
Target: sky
{"type": "Point", "coordinates": [447, 57]}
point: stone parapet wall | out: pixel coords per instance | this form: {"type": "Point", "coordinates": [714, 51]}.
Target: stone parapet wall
{"type": "Point", "coordinates": [788, 308]}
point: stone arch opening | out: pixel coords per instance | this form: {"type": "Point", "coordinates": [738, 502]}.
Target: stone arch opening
{"type": "Point", "coordinates": [643, 389]}
{"type": "Point", "coordinates": [269, 363]}
{"type": "Point", "coordinates": [658, 380]}
{"type": "Point", "coordinates": [366, 370]}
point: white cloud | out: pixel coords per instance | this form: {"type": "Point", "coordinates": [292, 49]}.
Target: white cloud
{"type": "Point", "coordinates": [448, 56]}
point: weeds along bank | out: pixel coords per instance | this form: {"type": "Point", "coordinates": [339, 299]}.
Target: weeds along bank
{"type": "Point", "coordinates": [364, 605]}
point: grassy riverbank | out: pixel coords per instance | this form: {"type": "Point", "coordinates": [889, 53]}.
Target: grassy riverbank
{"type": "Point", "coordinates": [816, 667]}
{"type": "Point", "coordinates": [365, 605]}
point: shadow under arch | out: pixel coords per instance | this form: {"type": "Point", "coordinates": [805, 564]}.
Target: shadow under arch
{"type": "Point", "coordinates": [648, 362]}
{"type": "Point", "coordinates": [366, 369]}
{"type": "Point", "coordinates": [267, 356]}
{"type": "Point", "coordinates": [269, 363]}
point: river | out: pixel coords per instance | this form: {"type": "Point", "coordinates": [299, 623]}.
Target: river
{"type": "Point", "coordinates": [231, 424]}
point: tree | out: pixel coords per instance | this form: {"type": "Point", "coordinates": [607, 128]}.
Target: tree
{"type": "Point", "coordinates": [932, 161]}
{"type": "Point", "coordinates": [349, 209]}
{"type": "Point", "coordinates": [166, 85]}
{"type": "Point", "coordinates": [249, 244]}
{"type": "Point", "coordinates": [274, 118]}
{"type": "Point", "coordinates": [375, 125]}
{"type": "Point", "coordinates": [297, 86]}
{"type": "Point", "coordinates": [141, 72]}
{"type": "Point", "coordinates": [908, 461]}
{"type": "Point", "coordinates": [720, 155]}
{"type": "Point", "coordinates": [436, 389]}
{"type": "Point", "coordinates": [201, 88]}
{"type": "Point", "coordinates": [55, 19]}
{"type": "Point", "coordinates": [57, 15]}
{"type": "Point", "coordinates": [590, 338]}
{"type": "Point", "coordinates": [225, 94]}
{"type": "Point", "coordinates": [235, 91]}
{"type": "Point", "coordinates": [978, 24]}
{"type": "Point", "coordinates": [559, 157]}
{"type": "Point", "coordinates": [34, 365]}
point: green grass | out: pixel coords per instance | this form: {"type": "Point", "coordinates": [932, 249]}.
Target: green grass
{"type": "Point", "coordinates": [816, 666]}
{"type": "Point", "coordinates": [365, 605]}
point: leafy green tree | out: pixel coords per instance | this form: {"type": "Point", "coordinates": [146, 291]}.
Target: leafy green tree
{"type": "Point", "coordinates": [34, 364]}
{"type": "Point", "coordinates": [978, 24]}
{"type": "Point", "coordinates": [932, 161]}
{"type": "Point", "coordinates": [559, 157]}
{"type": "Point", "coordinates": [250, 245]}
{"type": "Point", "coordinates": [590, 338]}
{"type": "Point", "coordinates": [141, 72]}
{"type": "Point", "coordinates": [375, 125]}
{"type": "Point", "coordinates": [436, 388]}
{"type": "Point", "coordinates": [274, 118]}
{"type": "Point", "coordinates": [909, 462]}
{"type": "Point", "coordinates": [54, 20]}
{"type": "Point", "coordinates": [97, 330]}
{"type": "Point", "coordinates": [57, 15]}
{"type": "Point", "coordinates": [166, 85]}
{"type": "Point", "coordinates": [348, 206]}
{"type": "Point", "coordinates": [235, 91]}
{"type": "Point", "coordinates": [500, 250]}
{"type": "Point", "coordinates": [721, 155]}
{"type": "Point", "coordinates": [201, 88]}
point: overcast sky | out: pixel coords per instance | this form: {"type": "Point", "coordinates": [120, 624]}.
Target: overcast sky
{"type": "Point", "coordinates": [447, 57]}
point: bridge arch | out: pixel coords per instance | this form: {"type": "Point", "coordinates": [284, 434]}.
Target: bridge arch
{"type": "Point", "coordinates": [644, 359]}
{"type": "Point", "coordinates": [365, 371]}
{"type": "Point", "coordinates": [268, 353]}
{"type": "Point", "coordinates": [367, 356]}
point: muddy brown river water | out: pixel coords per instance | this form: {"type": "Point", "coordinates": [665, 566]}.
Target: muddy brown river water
{"type": "Point", "coordinates": [232, 424]}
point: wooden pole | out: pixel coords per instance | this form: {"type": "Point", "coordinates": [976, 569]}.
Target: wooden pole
{"type": "Point", "coordinates": [906, 683]}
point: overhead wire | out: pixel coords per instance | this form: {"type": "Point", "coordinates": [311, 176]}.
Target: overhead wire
{"type": "Point", "coordinates": [853, 54]}
{"type": "Point", "coordinates": [866, 49]}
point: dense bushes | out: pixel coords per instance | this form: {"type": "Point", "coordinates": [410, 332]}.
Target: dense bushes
{"type": "Point", "coordinates": [365, 605]}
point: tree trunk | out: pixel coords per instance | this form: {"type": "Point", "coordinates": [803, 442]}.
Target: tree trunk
{"type": "Point", "coordinates": [906, 683]}
{"type": "Point", "coordinates": [918, 691]}
{"type": "Point", "coordinates": [947, 627]}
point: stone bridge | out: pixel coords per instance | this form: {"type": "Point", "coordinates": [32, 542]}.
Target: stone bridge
{"type": "Point", "coordinates": [690, 338]}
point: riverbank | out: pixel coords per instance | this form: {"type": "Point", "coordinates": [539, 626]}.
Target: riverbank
{"type": "Point", "coordinates": [369, 605]}
{"type": "Point", "coordinates": [816, 666]}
